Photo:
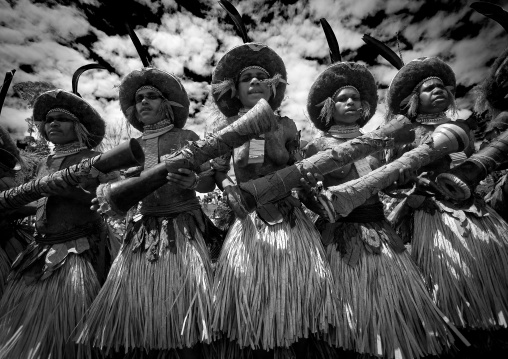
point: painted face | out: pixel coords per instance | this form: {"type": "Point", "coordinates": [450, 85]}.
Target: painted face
{"type": "Point", "coordinates": [348, 106]}
{"type": "Point", "coordinates": [433, 97]}
{"type": "Point", "coordinates": [250, 90]}
{"type": "Point", "coordinates": [59, 128]}
{"type": "Point", "coordinates": [148, 103]}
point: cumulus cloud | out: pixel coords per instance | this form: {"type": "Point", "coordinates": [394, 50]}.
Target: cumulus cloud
{"type": "Point", "coordinates": [48, 43]}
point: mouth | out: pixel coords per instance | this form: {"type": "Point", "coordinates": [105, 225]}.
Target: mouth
{"type": "Point", "coordinates": [54, 132]}
{"type": "Point", "coordinates": [252, 92]}
{"type": "Point", "coordinates": [146, 109]}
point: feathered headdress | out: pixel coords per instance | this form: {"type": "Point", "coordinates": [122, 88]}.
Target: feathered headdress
{"type": "Point", "coordinates": [89, 125]}
{"type": "Point", "coordinates": [320, 102]}
{"type": "Point", "coordinates": [175, 99]}
{"type": "Point", "coordinates": [229, 67]}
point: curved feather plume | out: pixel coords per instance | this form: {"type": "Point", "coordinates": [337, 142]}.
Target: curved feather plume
{"type": "Point", "coordinates": [5, 86]}
{"type": "Point", "coordinates": [332, 41]}
{"type": "Point", "coordinates": [384, 51]}
{"type": "Point", "coordinates": [78, 72]}
{"type": "Point", "coordinates": [146, 59]}
{"type": "Point", "coordinates": [495, 12]}
{"type": "Point", "coordinates": [236, 17]}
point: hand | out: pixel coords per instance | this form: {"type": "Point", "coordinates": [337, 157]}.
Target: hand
{"type": "Point", "coordinates": [309, 195]}
{"type": "Point", "coordinates": [95, 204]}
{"type": "Point", "coordinates": [406, 174]}
{"type": "Point", "coordinates": [186, 180]}
{"type": "Point", "coordinates": [54, 187]}
{"type": "Point", "coordinates": [312, 179]}
{"type": "Point", "coordinates": [237, 202]}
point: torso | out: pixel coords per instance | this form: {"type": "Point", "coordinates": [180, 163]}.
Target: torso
{"type": "Point", "coordinates": [168, 143]}
{"type": "Point", "coordinates": [276, 153]}
{"type": "Point", "coordinates": [62, 213]}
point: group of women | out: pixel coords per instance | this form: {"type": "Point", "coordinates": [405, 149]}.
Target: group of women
{"type": "Point", "coordinates": [282, 286]}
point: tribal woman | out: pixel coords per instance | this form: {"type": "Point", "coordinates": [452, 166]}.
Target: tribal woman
{"type": "Point", "coordinates": [384, 307]}
{"type": "Point", "coordinates": [54, 280]}
{"type": "Point", "coordinates": [157, 297]}
{"type": "Point", "coordinates": [14, 237]}
{"type": "Point", "coordinates": [461, 248]}
{"type": "Point", "coordinates": [272, 285]}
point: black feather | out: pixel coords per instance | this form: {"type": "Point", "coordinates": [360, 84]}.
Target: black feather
{"type": "Point", "coordinates": [146, 59]}
{"type": "Point", "coordinates": [5, 86]}
{"type": "Point", "coordinates": [495, 12]}
{"type": "Point", "coordinates": [332, 42]}
{"type": "Point", "coordinates": [384, 51]}
{"type": "Point", "coordinates": [78, 72]}
{"type": "Point", "coordinates": [237, 19]}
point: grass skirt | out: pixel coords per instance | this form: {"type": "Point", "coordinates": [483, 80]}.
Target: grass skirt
{"type": "Point", "coordinates": [158, 292]}
{"type": "Point", "coordinates": [464, 259]}
{"type": "Point", "coordinates": [382, 298]}
{"type": "Point", "coordinates": [38, 320]}
{"type": "Point", "coordinates": [272, 284]}
{"type": "Point", "coordinates": [5, 265]}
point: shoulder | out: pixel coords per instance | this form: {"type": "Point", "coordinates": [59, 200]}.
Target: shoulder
{"type": "Point", "coordinates": [187, 134]}
{"type": "Point", "coordinates": [222, 122]}
{"type": "Point", "coordinates": [286, 122]}
{"type": "Point", "coordinates": [314, 147]}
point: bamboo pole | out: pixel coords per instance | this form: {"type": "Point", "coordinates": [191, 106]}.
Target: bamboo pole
{"type": "Point", "coordinates": [122, 195]}
{"type": "Point", "coordinates": [446, 139]}
{"type": "Point", "coordinates": [460, 181]}
{"type": "Point", "coordinates": [126, 155]}
{"type": "Point", "coordinates": [264, 190]}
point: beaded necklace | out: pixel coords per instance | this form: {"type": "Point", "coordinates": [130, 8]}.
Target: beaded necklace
{"type": "Point", "coordinates": [68, 149]}
{"type": "Point", "coordinates": [432, 118]}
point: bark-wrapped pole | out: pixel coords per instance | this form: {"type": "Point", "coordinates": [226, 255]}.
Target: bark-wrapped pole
{"type": "Point", "coordinates": [446, 139]}
{"type": "Point", "coordinates": [459, 183]}
{"type": "Point", "coordinates": [122, 195]}
{"type": "Point", "coordinates": [263, 190]}
{"type": "Point", "coordinates": [126, 155]}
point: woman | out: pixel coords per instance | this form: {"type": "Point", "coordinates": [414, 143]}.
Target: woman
{"type": "Point", "coordinates": [157, 296]}
{"type": "Point", "coordinates": [272, 285]}
{"type": "Point", "coordinates": [14, 237]}
{"type": "Point", "coordinates": [382, 299]}
{"type": "Point", "coordinates": [461, 248]}
{"type": "Point", "coordinates": [54, 281]}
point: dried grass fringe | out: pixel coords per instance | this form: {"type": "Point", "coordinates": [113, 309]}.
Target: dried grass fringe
{"type": "Point", "coordinates": [467, 274]}
{"type": "Point", "coordinates": [39, 320]}
{"type": "Point", "coordinates": [5, 265]}
{"type": "Point", "coordinates": [274, 285]}
{"type": "Point", "coordinates": [384, 304]}
{"type": "Point", "coordinates": [162, 304]}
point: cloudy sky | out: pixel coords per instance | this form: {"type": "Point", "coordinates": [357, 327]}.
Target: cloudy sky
{"type": "Point", "coordinates": [48, 40]}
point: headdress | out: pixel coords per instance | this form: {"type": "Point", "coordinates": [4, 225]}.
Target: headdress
{"type": "Point", "coordinates": [320, 102]}
{"type": "Point", "coordinates": [175, 100]}
{"type": "Point", "coordinates": [225, 74]}
{"type": "Point", "coordinates": [410, 76]}
{"type": "Point", "coordinates": [165, 83]}
{"type": "Point", "coordinates": [89, 125]}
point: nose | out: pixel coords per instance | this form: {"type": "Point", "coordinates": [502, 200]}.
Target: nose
{"type": "Point", "coordinates": [54, 123]}
{"type": "Point", "coordinates": [439, 90]}
{"type": "Point", "coordinates": [144, 100]}
{"type": "Point", "coordinates": [254, 80]}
